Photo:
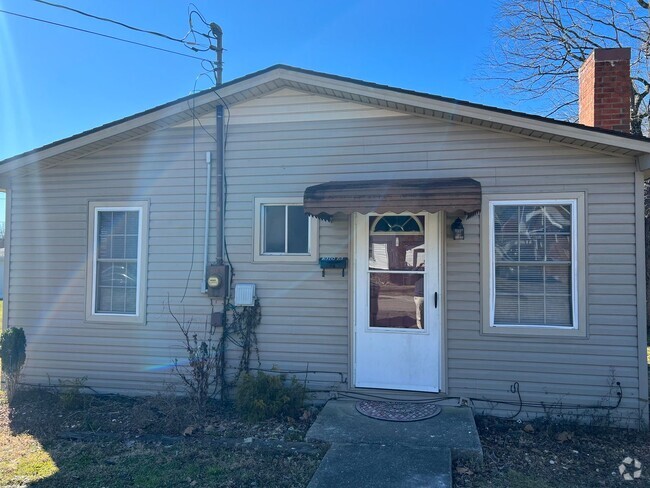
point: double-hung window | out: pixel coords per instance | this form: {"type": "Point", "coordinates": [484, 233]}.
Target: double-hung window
{"type": "Point", "coordinates": [535, 266]}
{"type": "Point", "coordinates": [117, 261]}
{"type": "Point", "coordinates": [283, 232]}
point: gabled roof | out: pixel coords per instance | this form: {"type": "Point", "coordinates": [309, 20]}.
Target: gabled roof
{"type": "Point", "coordinates": [281, 76]}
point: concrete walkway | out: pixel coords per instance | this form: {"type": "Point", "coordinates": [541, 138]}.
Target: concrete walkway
{"type": "Point", "coordinates": [376, 453]}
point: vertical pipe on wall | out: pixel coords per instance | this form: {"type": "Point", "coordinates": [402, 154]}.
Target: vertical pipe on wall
{"type": "Point", "coordinates": [206, 227]}
{"type": "Point", "coordinates": [221, 185]}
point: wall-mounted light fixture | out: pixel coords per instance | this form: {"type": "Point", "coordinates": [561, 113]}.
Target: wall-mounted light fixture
{"type": "Point", "coordinates": [457, 230]}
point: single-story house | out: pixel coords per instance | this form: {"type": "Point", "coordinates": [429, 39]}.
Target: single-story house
{"type": "Point", "coordinates": [493, 257]}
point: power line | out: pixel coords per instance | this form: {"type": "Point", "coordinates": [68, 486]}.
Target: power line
{"type": "Point", "coordinates": [184, 40]}
{"type": "Point", "coordinates": [103, 35]}
{"type": "Point", "coordinates": [105, 19]}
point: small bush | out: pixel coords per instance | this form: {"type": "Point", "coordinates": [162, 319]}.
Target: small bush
{"type": "Point", "coordinates": [12, 355]}
{"type": "Point", "coordinates": [70, 394]}
{"type": "Point", "coordinates": [263, 396]}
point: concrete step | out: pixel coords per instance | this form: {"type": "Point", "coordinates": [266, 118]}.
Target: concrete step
{"type": "Point", "coordinates": [454, 429]}
{"type": "Point", "coordinates": [383, 466]}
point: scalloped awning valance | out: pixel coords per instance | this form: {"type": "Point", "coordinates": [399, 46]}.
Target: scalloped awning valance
{"type": "Point", "coordinates": [382, 196]}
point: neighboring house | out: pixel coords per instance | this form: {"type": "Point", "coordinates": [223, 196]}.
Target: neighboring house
{"type": "Point", "coordinates": [545, 293]}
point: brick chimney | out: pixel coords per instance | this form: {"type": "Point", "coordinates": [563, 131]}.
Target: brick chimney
{"type": "Point", "coordinates": [606, 90]}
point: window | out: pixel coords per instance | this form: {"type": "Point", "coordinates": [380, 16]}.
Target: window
{"type": "Point", "coordinates": [536, 272]}
{"type": "Point", "coordinates": [283, 232]}
{"type": "Point", "coordinates": [286, 229]}
{"type": "Point", "coordinates": [116, 264]}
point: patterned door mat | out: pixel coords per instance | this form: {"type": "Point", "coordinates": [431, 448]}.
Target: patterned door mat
{"type": "Point", "coordinates": [397, 411]}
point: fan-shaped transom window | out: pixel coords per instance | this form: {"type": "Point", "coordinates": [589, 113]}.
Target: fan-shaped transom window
{"type": "Point", "coordinates": [402, 224]}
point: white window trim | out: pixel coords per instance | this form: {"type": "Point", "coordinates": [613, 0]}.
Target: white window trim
{"type": "Point", "coordinates": [142, 207]}
{"type": "Point", "coordinates": [578, 264]}
{"type": "Point", "coordinates": [258, 234]}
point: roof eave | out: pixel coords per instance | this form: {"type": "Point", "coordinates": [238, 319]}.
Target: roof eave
{"type": "Point", "coordinates": [491, 115]}
{"type": "Point", "coordinates": [249, 86]}
{"type": "Point", "coordinates": [210, 96]}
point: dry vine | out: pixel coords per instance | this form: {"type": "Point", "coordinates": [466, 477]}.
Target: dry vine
{"type": "Point", "coordinates": [204, 372]}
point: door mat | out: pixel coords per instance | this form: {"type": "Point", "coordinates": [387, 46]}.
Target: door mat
{"type": "Point", "coordinates": [397, 411]}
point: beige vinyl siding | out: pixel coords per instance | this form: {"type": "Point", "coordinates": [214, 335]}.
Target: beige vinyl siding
{"type": "Point", "coordinates": [277, 146]}
{"type": "Point", "coordinates": [274, 152]}
{"type": "Point", "coordinates": [47, 291]}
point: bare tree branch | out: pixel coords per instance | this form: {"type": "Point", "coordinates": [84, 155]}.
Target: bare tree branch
{"type": "Point", "coordinates": [541, 44]}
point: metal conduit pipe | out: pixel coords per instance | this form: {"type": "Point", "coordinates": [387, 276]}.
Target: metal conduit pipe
{"type": "Point", "coordinates": [206, 228]}
{"type": "Point", "coordinates": [220, 186]}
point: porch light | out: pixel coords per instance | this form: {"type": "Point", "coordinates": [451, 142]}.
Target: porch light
{"type": "Point", "coordinates": [457, 230]}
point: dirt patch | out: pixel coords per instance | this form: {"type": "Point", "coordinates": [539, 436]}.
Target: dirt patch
{"type": "Point", "coordinates": [517, 454]}
{"type": "Point", "coordinates": [45, 415]}
{"type": "Point", "coordinates": [545, 454]}
{"type": "Point", "coordinates": [126, 444]}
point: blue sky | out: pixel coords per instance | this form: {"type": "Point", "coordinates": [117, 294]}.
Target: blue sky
{"type": "Point", "coordinates": [56, 82]}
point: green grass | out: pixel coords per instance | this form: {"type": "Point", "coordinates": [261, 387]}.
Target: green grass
{"type": "Point", "coordinates": [23, 459]}
{"type": "Point", "coordinates": [61, 464]}
{"type": "Point", "coordinates": [114, 465]}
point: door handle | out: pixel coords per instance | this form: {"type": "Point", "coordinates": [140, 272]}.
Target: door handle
{"type": "Point", "coordinates": [435, 300]}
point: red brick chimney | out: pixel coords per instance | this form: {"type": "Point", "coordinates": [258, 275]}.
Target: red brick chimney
{"type": "Point", "coordinates": [606, 89]}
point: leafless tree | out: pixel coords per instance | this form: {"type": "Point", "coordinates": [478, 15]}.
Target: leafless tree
{"type": "Point", "coordinates": [540, 44]}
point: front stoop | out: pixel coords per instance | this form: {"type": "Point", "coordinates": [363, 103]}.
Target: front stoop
{"type": "Point", "coordinates": [382, 466]}
{"type": "Point", "coordinates": [404, 454]}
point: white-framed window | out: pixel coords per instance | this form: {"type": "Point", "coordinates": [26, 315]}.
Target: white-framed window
{"type": "Point", "coordinates": [534, 276]}
{"type": "Point", "coordinates": [117, 261]}
{"type": "Point", "coordinates": [283, 232]}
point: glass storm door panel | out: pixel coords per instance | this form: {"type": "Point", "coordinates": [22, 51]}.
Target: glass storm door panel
{"type": "Point", "coordinates": [397, 314]}
{"type": "Point", "coordinates": [396, 265]}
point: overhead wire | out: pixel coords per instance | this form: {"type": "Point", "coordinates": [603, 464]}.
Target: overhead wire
{"type": "Point", "coordinates": [195, 119]}
{"type": "Point", "coordinates": [192, 10]}
{"type": "Point", "coordinates": [194, 45]}
{"type": "Point", "coordinates": [112, 21]}
{"type": "Point", "coordinates": [87, 31]}
{"type": "Point", "coordinates": [189, 273]}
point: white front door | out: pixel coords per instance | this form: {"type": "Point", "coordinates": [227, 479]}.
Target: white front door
{"type": "Point", "coordinates": [397, 302]}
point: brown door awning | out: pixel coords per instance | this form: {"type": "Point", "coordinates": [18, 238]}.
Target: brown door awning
{"type": "Point", "coordinates": [383, 196]}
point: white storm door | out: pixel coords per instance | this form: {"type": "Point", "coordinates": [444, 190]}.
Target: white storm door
{"type": "Point", "coordinates": [397, 328]}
